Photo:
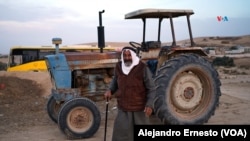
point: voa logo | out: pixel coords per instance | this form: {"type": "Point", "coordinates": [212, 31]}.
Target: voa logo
{"type": "Point", "coordinates": [222, 18]}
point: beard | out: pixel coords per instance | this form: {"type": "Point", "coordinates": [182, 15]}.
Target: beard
{"type": "Point", "coordinates": [127, 63]}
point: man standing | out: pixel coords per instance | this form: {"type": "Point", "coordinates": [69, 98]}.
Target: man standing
{"type": "Point", "coordinates": [135, 91]}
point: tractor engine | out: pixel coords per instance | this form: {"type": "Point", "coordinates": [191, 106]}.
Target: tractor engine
{"type": "Point", "coordinates": [92, 81]}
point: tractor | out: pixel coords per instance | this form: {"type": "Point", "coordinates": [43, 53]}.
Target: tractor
{"type": "Point", "coordinates": [187, 85]}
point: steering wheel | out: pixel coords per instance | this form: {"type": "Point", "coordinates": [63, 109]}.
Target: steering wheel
{"type": "Point", "coordinates": [135, 44]}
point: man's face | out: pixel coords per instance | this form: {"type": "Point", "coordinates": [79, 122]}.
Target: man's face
{"type": "Point", "coordinates": [127, 58]}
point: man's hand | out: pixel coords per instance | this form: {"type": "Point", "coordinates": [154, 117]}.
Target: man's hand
{"type": "Point", "coordinates": [108, 95]}
{"type": "Point", "coordinates": [148, 111]}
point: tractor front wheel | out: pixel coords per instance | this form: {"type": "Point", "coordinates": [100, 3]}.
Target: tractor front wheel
{"type": "Point", "coordinates": [79, 118]}
{"type": "Point", "coordinates": [53, 108]}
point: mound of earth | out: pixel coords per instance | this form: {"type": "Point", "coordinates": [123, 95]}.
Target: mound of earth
{"type": "Point", "coordinates": [23, 101]}
{"type": "Point", "coordinates": [21, 105]}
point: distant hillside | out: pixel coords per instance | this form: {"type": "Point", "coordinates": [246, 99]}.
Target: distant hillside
{"type": "Point", "coordinates": [209, 41]}
{"type": "Point", "coordinates": [220, 41]}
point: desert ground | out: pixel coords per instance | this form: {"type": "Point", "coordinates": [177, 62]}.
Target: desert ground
{"type": "Point", "coordinates": [23, 98]}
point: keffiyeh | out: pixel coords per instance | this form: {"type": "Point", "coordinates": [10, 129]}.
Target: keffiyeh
{"type": "Point", "coordinates": [135, 60]}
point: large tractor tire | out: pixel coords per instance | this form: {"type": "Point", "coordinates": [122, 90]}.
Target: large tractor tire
{"type": "Point", "coordinates": [187, 90]}
{"type": "Point", "coordinates": [79, 118]}
{"type": "Point", "coordinates": [53, 108]}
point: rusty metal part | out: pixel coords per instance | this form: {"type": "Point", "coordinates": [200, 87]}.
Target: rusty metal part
{"type": "Point", "coordinates": [91, 56]}
{"type": "Point", "coordinates": [90, 60]}
{"type": "Point", "coordinates": [187, 91]}
{"type": "Point", "coordinates": [80, 119]}
{"type": "Point", "coordinates": [64, 94]}
{"type": "Point", "coordinates": [181, 50]}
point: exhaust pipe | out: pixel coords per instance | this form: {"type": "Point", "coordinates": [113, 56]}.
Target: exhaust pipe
{"type": "Point", "coordinates": [100, 30]}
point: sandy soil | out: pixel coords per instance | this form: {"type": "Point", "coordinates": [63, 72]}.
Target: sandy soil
{"type": "Point", "coordinates": [23, 100]}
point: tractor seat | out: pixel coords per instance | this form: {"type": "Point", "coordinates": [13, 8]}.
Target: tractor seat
{"type": "Point", "coordinates": [146, 46]}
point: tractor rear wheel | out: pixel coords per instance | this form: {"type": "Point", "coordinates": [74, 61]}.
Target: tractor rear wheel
{"type": "Point", "coordinates": [188, 90]}
{"type": "Point", "coordinates": [79, 118]}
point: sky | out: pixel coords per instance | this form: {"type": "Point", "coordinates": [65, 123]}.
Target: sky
{"type": "Point", "coordinates": [36, 22]}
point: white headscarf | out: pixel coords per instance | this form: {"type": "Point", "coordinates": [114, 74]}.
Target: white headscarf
{"type": "Point", "coordinates": [135, 61]}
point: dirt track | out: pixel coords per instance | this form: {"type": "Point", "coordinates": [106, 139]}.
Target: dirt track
{"type": "Point", "coordinates": [23, 113]}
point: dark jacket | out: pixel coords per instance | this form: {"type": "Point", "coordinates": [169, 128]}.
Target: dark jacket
{"type": "Point", "coordinates": [135, 90]}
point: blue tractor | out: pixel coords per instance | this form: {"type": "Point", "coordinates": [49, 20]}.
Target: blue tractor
{"type": "Point", "coordinates": [79, 80]}
{"type": "Point", "coordinates": [187, 85]}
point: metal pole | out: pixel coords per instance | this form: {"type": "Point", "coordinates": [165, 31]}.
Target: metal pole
{"type": "Point", "coordinates": [172, 30]}
{"type": "Point", "coordinates": [106, 119]}
{"type": "Point", "coordinates": [190, 31]}
{"type": "Point", "coordinates": [159, 29]}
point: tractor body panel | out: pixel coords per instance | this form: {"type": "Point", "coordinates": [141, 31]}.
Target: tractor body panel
{"type": "Point", "coordinates": [59, 70]}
